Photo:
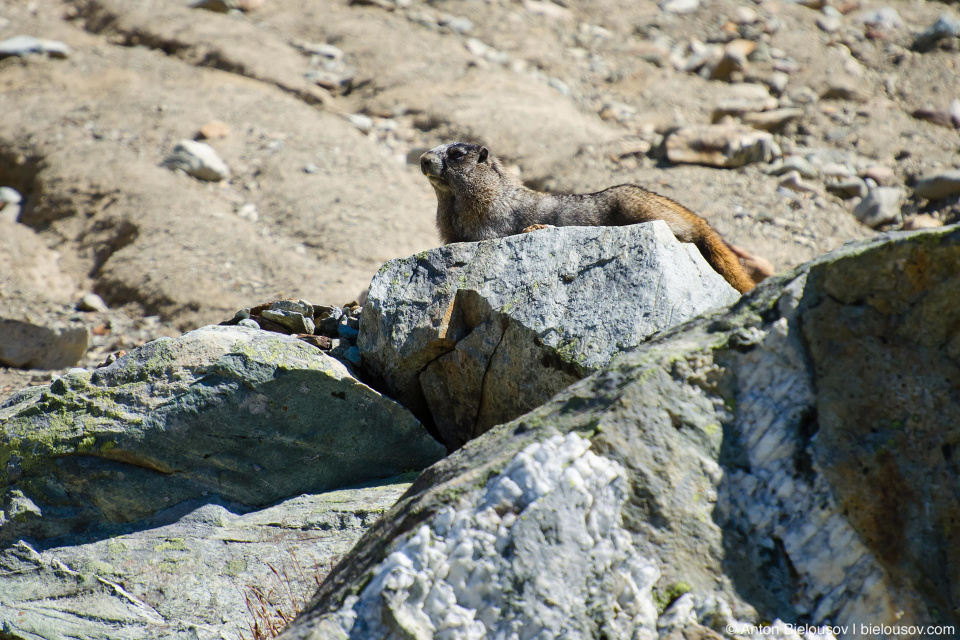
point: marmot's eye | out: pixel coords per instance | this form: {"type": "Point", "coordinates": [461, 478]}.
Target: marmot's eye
{"type": "Point", "coordinates": [456, 153]}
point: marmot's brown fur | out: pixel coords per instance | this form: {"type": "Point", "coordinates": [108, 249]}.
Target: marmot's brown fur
{"type": "Point", "coordinates": [478, 200]}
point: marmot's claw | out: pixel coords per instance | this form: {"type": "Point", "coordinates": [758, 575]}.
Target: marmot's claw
{"type": "Point", "coordinates": [537, 227]}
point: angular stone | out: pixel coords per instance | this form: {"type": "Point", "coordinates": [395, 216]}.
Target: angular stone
{"type": "Point", "coordinates": [250, 416]}
{"type": "Point", "coordinates": [295, 322]}
{"type": "Point", "coordinates": [721, 145]}
{"type": "Point", "coordinates": [881, 206]}
{"type": "Point", "coordinates": [56, 341]}
{"type": "Point", "coordinates": [473, 334]}
{"type": "Point", "coordinates": [295, 315]}
{"type": "Point", "coordinates": [197, 159]}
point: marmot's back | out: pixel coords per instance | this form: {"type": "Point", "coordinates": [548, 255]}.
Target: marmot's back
{"type": "Point", "coordinates": [478, 200]}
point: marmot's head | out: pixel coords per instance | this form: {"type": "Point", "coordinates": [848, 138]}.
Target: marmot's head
{"type": "Point", "coordinates": [459, 167]}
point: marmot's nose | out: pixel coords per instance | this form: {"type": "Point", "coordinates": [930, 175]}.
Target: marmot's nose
{"type": "Point", "coordinates": [430, 164]}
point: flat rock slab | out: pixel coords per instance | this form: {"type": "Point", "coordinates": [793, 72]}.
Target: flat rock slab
{"type": "Point", "coordinates": [25, 45]}
{"type": "Point", "coordinates": [474, 334]}
{"type": "Point", "coordinates": [941, 185]}
{"type": "Point", "coordinates": [720, 145]}
{"type": "Point", "coordinates": [189, 579]}
{"type": "Point", "coordinates": [250, 416]}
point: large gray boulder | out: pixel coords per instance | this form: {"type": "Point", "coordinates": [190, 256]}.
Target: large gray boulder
{"type": "Point", "coordinates": [249, 416]}
{"type": "Point", "coordinates": [471, 335]}
{"type": "Point", "coordinates": [190, 579]}
{"type": "Point", "coordinates": [789, 459]}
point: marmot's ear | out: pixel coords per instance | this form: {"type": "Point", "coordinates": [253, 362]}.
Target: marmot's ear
{"type": "Point", "coordinates": [482, 156]}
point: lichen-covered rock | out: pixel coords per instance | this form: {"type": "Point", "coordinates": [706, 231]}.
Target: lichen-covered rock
{"type": "Point", "coordinates": [190, 577]}
{"type": "Point", "coordinates": [474, 334]}
{"type": "Point", "coordinates": [250, 416]}
{"type": "Point", "coordinates": [789, 459]}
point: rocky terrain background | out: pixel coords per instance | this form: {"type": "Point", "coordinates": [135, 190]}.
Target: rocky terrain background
{"type": "Point", "coordinates": [839, 118]}
{"type": "Point", "coordinates": [782, 464]}
{"type": "Point", "coordinates": [163, 165]}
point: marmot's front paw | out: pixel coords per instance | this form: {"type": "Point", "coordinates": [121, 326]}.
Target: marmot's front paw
{"type": "Point", "coordinates": [537, 227]}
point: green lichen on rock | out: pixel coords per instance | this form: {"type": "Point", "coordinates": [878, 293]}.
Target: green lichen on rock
{"type": "Point", "coordinates": [665, 597]}
{"type": "Point", "coordinates": [172, 544]}
{"type": "Point", "coordinates": [251, 416]}
{"type": "Point", "coordinates": [235, 567]}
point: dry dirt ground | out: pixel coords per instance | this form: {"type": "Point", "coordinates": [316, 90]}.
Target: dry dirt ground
{"type": "Point", "coordinates": [328, 104]}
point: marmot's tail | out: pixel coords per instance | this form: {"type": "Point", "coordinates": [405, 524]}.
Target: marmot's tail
{"type": "Point", "coordinates": [723, 260]}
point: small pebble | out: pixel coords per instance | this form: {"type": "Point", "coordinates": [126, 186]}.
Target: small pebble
{"type": "Point", "coordinates": [880, 207]}
{"type": "Point", "coordinates": [248, 211]}
{"type": "Point", "coordinates": [92, 302]}
{"type": "Point", "coordinates": [921, 221]}
{"type": "Point", "coordinates": [829, 24]}
{"type": "Point", "coordinates": [457, 24]}
{"type": "Point", "coordinates": [883, 176]}
{"type": "Point", "coordinates": [795, 163]}
{"type": "Point", "coordinates": [361, 122]}
{"type": "Point", "coordinates": [849, 188]}
{"type": "Point", "coordinates": [884, 18]}
{"type": "Point", "coordinates": [680, 6]}
{"type": "Point", "coordinates": [197, 159]}
{"type": "Point", "coordinates": [212, 130]}
{"type": "Point", "coordinates": [10, 200]}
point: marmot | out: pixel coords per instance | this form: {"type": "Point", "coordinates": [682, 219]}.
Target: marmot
{"type": "Point", "coordinates": [478, 200]}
